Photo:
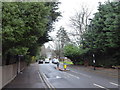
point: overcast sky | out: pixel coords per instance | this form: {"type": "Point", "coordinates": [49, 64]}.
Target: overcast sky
{"type": "Point", "coordinates": [68, 9]}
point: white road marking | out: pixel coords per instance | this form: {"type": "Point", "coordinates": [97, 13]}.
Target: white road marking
{"type": "Point", "coordinates": [72, 75]}
{"type": "Point", "coordinates": [99, 86]}
{"type": "Point", "coordinates": [82, 74]}
{"type": "Point", "coordinates": [64, 75]}
{"type": "Point", "coordinates": [114, 84]}
{"type": "Point", "coordinates": [58, 77]}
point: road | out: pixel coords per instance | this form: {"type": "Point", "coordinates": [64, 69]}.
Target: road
{"type": "Point", "coordinates": [76, 78]}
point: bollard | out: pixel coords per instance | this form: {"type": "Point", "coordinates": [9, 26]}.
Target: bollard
{"type": "Point", "coordinates": [65, 66]}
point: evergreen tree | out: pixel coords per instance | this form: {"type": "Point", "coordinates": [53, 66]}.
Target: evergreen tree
{"type": "Point", "coordinates": [25, 26]}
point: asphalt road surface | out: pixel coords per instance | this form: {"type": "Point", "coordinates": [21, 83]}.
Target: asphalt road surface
{"type": "Point", "coordinates": [77, 78]}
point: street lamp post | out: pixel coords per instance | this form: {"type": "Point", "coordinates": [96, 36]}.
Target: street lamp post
{"type": "Point", "coordinates": [19, 58]}
{"type": "Point", "coordinates": [93, 45]}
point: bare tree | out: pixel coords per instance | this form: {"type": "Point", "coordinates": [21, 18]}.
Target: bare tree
{"type": "Point", "coordinates": [79, 23]}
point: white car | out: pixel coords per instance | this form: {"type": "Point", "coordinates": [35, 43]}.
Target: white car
{"type": "Point", "coordinates": [55, 61]}
{"type": "Point", "coordinates": [47, 60]}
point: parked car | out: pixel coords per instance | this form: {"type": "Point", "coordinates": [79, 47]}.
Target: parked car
{"type": "Point", "coordinates": [40, 62]}
{"type": "Point", "coordinates": [47, 60]}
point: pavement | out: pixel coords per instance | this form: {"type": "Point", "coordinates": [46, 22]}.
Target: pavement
{"type": "Point", "coordinates": [29, 78]}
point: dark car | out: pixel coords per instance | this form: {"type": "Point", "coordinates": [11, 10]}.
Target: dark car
{"type": "Point", "coordinates": [40, 62]}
